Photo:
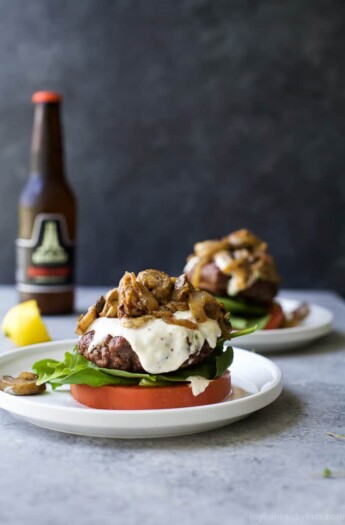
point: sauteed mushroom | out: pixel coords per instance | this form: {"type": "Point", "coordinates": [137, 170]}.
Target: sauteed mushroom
{"type": "Point", "coordinates": [134, 298]}
{"type": "Point", "coordinates": [182, 289]}
{"type": "Point", "coordinates": [150, 295]}
{"type": "Point", "coordinates": [245, 239]}
{"type": "Point", "coordinates": [158, 283]}
{"type": "Point", "coordinates": [232, 265]}
{"type": "Point", "coordinates": [296, 316]}
{"type": "Point", "coordinates": [23, 385]}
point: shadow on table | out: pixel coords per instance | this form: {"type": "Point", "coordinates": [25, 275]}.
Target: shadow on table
{"type": "Point", "coordinates": [261, 426]}
{"type": "Point", "coordinates": [271, 421]}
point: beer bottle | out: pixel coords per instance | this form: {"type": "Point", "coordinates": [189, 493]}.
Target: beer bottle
{"type": "Point", "coordinates": [47, 216]}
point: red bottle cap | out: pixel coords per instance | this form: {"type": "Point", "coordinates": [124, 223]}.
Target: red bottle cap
{"type": "Point", "coordinates": [43, 97]}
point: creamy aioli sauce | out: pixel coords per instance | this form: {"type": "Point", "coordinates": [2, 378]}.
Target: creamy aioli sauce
{"type": "Point", "coordinates": [221, 260]}
{"type": "Point", "coordinates": [198, 384]}
{"type": "Point", "coordinates": [161, 347]}
{"type": "Point", "coordinates": [234, 285]}
{"type": "Point", "coordinates": [237, 393]}
{"type": "Point", "coordinates": [190, 264]}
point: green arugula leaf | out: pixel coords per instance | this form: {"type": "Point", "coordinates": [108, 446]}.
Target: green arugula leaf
{"type": "Point", "coordinates": [73, 370]}
{"type": "Point", "coordinates": [238, 323]}
{"type": "Point", "coordinates": [241, 322]}
{"type": "Point", "coordinates": [237, 306]}
{"type": "Point", "coordinates": [243, 316]}
{"type": "Point", "coordinates": [245, 331]}
{"type": "Point", "coordinates": [76, 369]}
{"type": "Point", "coordinates": [92, 377]}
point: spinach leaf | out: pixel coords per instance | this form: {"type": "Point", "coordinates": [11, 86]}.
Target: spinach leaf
{"type": "Point", "coordinates": [240, 323]}
{"type": "Point", "coordinates": [76, 369]}
{"type": "Point", "coordinates": [237, 306]}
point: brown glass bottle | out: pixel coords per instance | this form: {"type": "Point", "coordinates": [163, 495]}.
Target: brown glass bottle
{"type": "Point", "coordinates": [47, 216]}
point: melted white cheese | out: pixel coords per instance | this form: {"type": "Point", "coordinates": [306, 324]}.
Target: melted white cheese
{"type": "Point", "coordinates": [222, 260]}
{"type": "Point", "coordinates": [161, 347]}
{"type": "Point", "coordinates": [198, 384]}
{"type": "Point", "coordinates": [234, 285]}
{"type": "Point", "coordinates": [235, 282]}
{"type": "Point", "coordinates": [190, 264]}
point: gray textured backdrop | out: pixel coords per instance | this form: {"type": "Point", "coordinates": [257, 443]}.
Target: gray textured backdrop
{"type": "Point", "coordinates": [184, 120]}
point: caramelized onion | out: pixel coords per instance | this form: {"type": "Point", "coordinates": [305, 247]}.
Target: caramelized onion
{"type": "Point", "coordinates": [148, 299]}
{"type": "Point", "coordinates": [175, 306]}
{"type": "Point", "coordinates": [186, 323]}
{"type": "Point", "coordinates": [244, 239]}
{"type": "Point", "coordinates": [112, 296]}
{"type": "Point", "coordinates": [207, 249]}
{"type": "Point", "coordinates": [136, 322]}
{"type": "Point", "coordinates": [112, 312]}
{"type": "Point", "coordinates": [105, 310]}
{"type": "Point", "coordinates": [197, 304]}
{"type": "Point", "coordinates": [110, 304]}
{"type": "Point", "coordinates": [134, 298]}
{"type": "Point", "coordinates": [225, 262]}
{"type": "Point", "coordinates": [196, 274]}
{"type": "Point", "coordinates": [84, 321]}
{"type": "Point", "coordinates": [241, 256]}
{"type": "Point", "coordinates": [153, 295]}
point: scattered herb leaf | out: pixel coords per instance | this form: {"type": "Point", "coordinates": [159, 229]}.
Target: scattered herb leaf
{"type": "Point", "coordinates": [336, 436]}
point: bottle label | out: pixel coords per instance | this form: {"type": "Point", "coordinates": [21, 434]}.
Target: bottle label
{"type": "Point", "coordinates": [45, 262]}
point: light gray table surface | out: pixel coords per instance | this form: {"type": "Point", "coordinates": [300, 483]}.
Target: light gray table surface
{"type": "Point", "coordinates": [264, 469]}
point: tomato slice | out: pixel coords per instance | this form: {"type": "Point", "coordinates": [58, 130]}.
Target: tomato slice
{"type": "Point", "coordinates": [276, 319]}
{"type": "Point", "coordinates": [117, 397]}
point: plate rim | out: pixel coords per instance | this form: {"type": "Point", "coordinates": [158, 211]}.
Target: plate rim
{"type": "Point", "coordinates": [325, 327]}
{"type": "Point", "coordinates": [265, 395]}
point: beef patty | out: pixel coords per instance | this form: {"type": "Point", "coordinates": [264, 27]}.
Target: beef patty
{"type": "Point", "coordinates": [214, 281]}
{"type": "Point", "coordinates": [261, 292]}
{"type": "Point", "coordinates": [117, 353]}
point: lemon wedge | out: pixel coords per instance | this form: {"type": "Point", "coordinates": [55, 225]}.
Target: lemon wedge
{"type": "Point", "coordinates": [24, 326]}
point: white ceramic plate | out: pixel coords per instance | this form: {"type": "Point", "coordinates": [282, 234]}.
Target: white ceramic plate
{"type": "Point", "coordinates": [317, 324]}
{"type": "Point", "coordinates": [58, 411]}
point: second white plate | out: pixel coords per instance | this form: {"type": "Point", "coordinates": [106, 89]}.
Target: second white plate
{"type": "Point", "coordinates": [317, 324]}
{"type": "Point", "coordinates": [255, 374]}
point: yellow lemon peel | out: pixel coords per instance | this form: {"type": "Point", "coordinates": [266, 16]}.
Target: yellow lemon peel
{"type": "Point", "coordinates": [24, 326]}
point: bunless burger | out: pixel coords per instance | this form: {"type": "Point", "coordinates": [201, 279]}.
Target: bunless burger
{"type": "Point", "coordinates": [242, 274]}
{"type": "Point", "coordinates": [153, 342]}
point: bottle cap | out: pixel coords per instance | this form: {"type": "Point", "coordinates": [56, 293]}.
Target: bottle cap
{"type": "Point", "coordinates": [43, 97]}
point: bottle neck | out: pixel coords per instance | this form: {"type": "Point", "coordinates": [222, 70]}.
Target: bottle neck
{"type": "Point", "coordinates": [46, 147]}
